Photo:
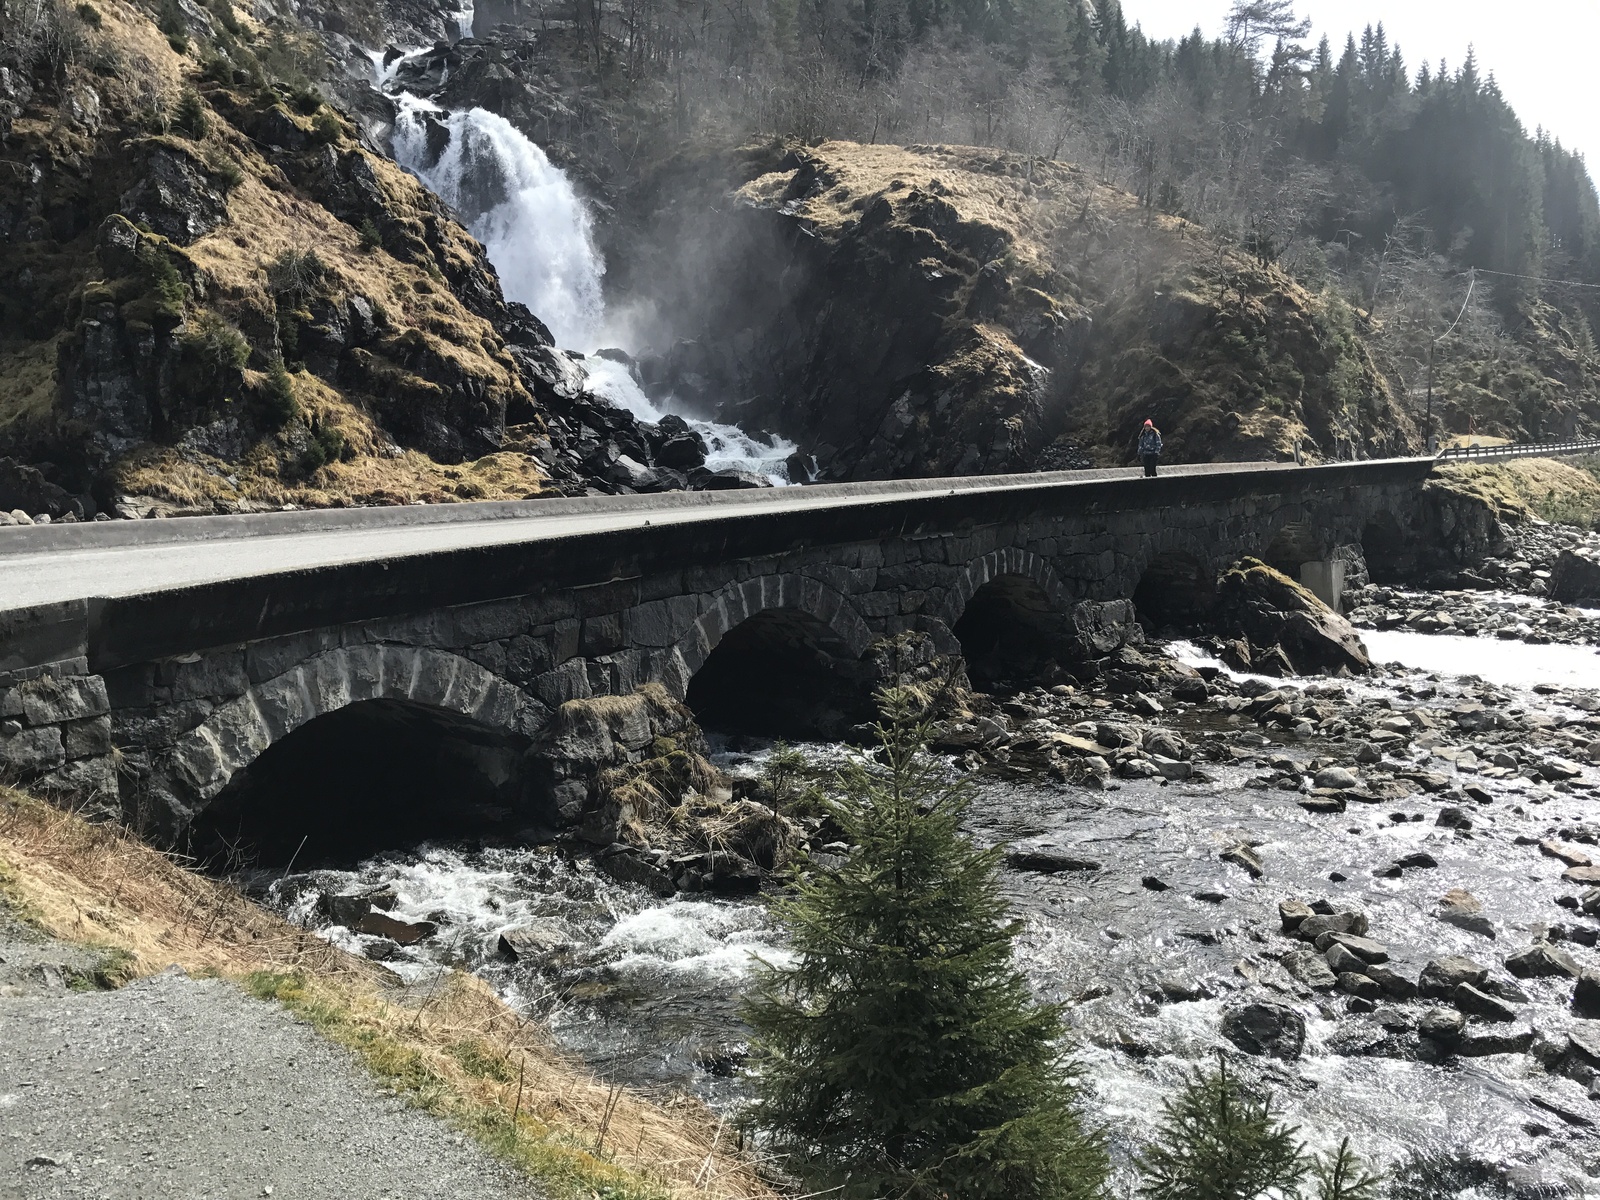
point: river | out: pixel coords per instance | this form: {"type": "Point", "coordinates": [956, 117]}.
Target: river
{"type": "Point", "coordinates": [647, 991]}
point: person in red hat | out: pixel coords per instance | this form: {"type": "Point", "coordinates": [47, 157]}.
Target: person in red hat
{"type": "Point", "coordinates": [1150, 446]}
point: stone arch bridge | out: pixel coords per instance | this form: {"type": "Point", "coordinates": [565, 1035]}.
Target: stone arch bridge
{"type": "Point", "coordinates": [154, 664]}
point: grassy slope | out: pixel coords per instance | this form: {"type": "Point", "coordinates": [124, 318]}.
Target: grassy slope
{"type": "Point", "coordinates": [132, 77]}
{"type": "Point", "coordinates": [455, 1049]}
{"type": "Point", "coordinates": [1562, 490]}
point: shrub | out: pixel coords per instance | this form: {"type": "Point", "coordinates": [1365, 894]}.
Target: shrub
{"type": "Point", "coordinates": [226, 170]}
{"type": "Point", "coordinates": [226, 17]}
{"type": "Point", "coordinates": [326, 127]}
{"type": "Point", "coordinates": [327, 446]}
{"type": "Point", "coordinates": [371, 239]}
{"type": "Point", "coordinates": [278, 403]}
{"type": "Point", "coordinates": [305, 100]}
{"type": "Point", "coordinates": [89, 15]}
{"type": "Point", "coordinates": [901, 1053]}
{"type": "Point", "coordinates": [295, 272]}
{"type": "Point", "coordinates": [1218, 1141]}
{"type": "Point", "coordinates": [190, 117]}
{"type": "Point", "coordinates": [213, 342]}
{"type": "Point", "coordinates": [172, 23]}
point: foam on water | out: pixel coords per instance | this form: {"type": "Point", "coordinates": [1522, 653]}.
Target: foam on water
{"type": "Point", "coordinates": [1508, 663]}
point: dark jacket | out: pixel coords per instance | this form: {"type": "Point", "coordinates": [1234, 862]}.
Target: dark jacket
{"type": "Point", "coordinates": [1150, 441]}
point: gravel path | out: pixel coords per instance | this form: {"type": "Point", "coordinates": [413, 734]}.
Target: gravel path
{"type": "Point", "coordinates": [178, 1088]}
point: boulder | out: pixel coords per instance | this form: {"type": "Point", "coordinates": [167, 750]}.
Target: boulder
{"type": "Point", "coordinates": [1048, 860]}
{"type": "Point", "coordinates": [1477, 1003]}
{"type": "Point", "coordinates": [1353, 921]}
{"type": "Point", "coordinates": [1542, 961]}
{"type": "Point", "coordinates": [1310, 969]}
{"type": "Point", "coordinates": [1442, 1025]}
{"type": "Point", "coordinates": [1367, 950]}
{"type": "Point", "coordinates": [1242, 855]}
{"type": "Point", "coordinates": [1441, 976]}
{"type": "Point", "coordinates": [1464, 910]}
{"type": "Point", "coordinates": [528, 941]}
{"type": "Point", "coordinates": [1395, 979]}
{"type": "Point", "coordinates": [1264, 1028]}
{"type": "Point", "coordinates": [1342, 960]}
{"type": "Point", "coordinates": [1270, 609]}
{"type": "Point", "coordinates": [405, 933]}
{"type": "Point", "coordinates": [1575, 578]}
{"type": "Point", "coordinates": [1292, 912]}
{"type": "Point", "coordinates": [1586, 994]}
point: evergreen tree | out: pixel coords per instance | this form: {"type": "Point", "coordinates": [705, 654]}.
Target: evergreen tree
{"type": "Point", "coordinates": [1343, 1176]}
{"type": "Point", "coordinates": [901, 1053]}
{"type": "Point", "coordinates": [1217, 1141]}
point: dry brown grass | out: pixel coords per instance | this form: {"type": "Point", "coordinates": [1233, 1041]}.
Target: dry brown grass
{"type": "Point", "coordinates": [454, 1047]}
{"type": "Point", "coordinates": [1545, 487]}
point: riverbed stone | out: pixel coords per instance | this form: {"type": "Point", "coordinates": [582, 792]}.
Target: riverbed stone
{"type": "Point", "coordinates": [1543, 961]}
{"type": "Point", "coordinates": [1311, 969]}
{"type": "Point", "coordinates": [1586, 994]}
{"type": "Point", "coordinates": [1265, 1028]}
{"type": "Point", "coordinates": [1441, 1024]}
{"type": "Point", "coordinates": [1343, 960]}
{"type": "Point", "coordinates": [1462, 909]}
{"type": "Point", "coordinates": [1357, 984]}
{"type": "Point", "coordinates": [1337, 778]}
{"type": "Point", "coordinates": [1367, 950]}
{"type": "Point", "coordinates": [1240, 854]}
{"type": "Point", "coordinates": [1441, 976]}
{"type": "Point", "coordinates": [1351, 921]}
{"type": "Point", "coordinates": [1292, 912]}
{"type": "Point", "coordinates": [1477, 1003]}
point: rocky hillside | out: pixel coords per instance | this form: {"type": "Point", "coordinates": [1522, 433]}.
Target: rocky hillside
{"type": "Point", "coordinates": [215, 295]}
{"type": "Point", "coordinates": [937, 310]}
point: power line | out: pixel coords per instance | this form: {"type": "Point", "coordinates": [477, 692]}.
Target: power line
{"type": "Point", "coordinates": [1472, 282]}
{"type": "Point", "coordinates": [1540, 279]}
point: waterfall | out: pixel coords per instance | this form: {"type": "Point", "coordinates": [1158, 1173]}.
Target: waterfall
{"type": "Point", "coordinates": [538, 235]}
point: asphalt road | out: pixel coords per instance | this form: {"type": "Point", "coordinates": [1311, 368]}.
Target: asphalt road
{"type": "Point", "coordinates": [128, 558]}
{"type": "Point", "coordinates": [175, 1088]}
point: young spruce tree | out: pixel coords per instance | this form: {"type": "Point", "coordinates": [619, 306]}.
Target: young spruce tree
{"type": "Point", "coordinates": [901, 1054]}
{"type": "Point", "coordinates": [1218, 1141]}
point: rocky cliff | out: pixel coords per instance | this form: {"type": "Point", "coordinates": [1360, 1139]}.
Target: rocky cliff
{"type": "Point", "coordinates": [215, 295]}
{"type": "Point", "coordinates": [937, 310]}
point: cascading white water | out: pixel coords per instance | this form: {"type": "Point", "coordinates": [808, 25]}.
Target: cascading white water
{"type": "Point", "coordinates": [538, 235]}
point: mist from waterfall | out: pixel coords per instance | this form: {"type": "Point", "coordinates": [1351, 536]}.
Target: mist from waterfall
{"type": "Point", "coordinates": [538, 234]}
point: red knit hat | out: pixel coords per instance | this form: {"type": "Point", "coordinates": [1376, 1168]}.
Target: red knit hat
{"type": "Point", "coordinates": [1148, 421]}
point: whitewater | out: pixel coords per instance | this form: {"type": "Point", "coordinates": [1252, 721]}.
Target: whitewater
{"type": "Point", "coordinates": [539, 235]}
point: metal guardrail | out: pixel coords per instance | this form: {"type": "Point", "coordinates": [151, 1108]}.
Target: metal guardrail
{"type": "Point", "coordinates": [1524, 450]}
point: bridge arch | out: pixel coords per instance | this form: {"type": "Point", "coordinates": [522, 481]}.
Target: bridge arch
{"type": "Point", "coordinates": [353, 714]}
{"type": "Point", "coordinates": [1010, 615]}
{"type": "Point", "coordinates": [779, 654]}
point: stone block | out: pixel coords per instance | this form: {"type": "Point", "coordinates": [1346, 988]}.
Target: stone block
{"type": "Point", "coordinates": [10, 702]}
{"type": "Point", "coordinates": [271, 657]}
{"type": "Point", "coordinates": [569, 681]}
{"type": "Point", "coordinates": [48, 700]}
{"type": "Point", "coordinates": [31, 750]}
{"type": "Point", "coordinates": [219, 676]}
{"type": "Point", "coordinates": [528, 656]}
{"type": "Point", "coordinates": [601, 635]}
{"type": "Point", "coordinates": [86, 779]}
{"type": "Point", "coordinates": [87, 738]}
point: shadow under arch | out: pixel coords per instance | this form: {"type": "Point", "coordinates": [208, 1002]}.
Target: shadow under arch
{"type": "Point", "coordinates": [1011, 629]}
{"type": "Point", "coordinates": [370, 776]}
{"type": "Point", "coordinates": [782, 672]}
{"type": "Point", "coordinates": [1176, 589]}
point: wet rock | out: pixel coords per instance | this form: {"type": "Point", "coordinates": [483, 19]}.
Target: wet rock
{"type": "Point", "coordinates": [1292, 912]}
{"type": "Point", "coordinates": [1359, 985]}
{"type": "Point", "coordinates": [1476, 1042]}
{"type": "Point", "coordinates": [1441, 976]}
{"type": "Point", "coordinates": [1393, 1020]}
{"type": "Point", "coordinates": [1242, 855]}
{"type": "Point", "coordinates": [1586, 994]}
{"type": "Point", "coordinates": [1337, 778]}
{"type": "Point", "coordinates": [530, 941]}
{"type": "Point", "coordinates": [1354, 921]}
{"type": "Point", "coordinates": [1574, 578]}
{"type": "Point", "coordinates": [406, 933]}
{"type": "Point", "coordinates": [1572, 856]}
{"type": "Point", "coordinates": [1478, 1003]}
{"type": "Point", "coordinates": [1419, 860]}
{"type": "Point", "coordinates": [1048, 861]}
{"type": "Point", "coordinates": [1463, 910]}
{"type": "Point", "coordinates": [349, 908]}
{"type": "Point", "coordinates": [626, 864]}
{"type": "Point", "coordinates": [1451, 817]}
{"type": "Point", "coordinates": [1367, 950]}
{"type": "Point", "coordinates": [1586, 875]}
{"type": "Point", "coordinates": [1178, 989]}
{"type": "Point", "coordinates": [1311, 969]}
{"type": "Point", "coordinates": [1442, 1025]}
{"type": "Point", "coordinates": [1397, 980]}
{"type": "Point", "coordinates": [1270, 609]}
{"type": "Point", "coordinates": [1542, 961]}
{"type": "Point", "coordinates": [1342, 960]}
{"type": "Point", "coordinates": [1264, 1028]}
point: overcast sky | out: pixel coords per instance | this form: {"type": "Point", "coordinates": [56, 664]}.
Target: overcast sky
{"type": "Point", "coordinates": [1542, 52]}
